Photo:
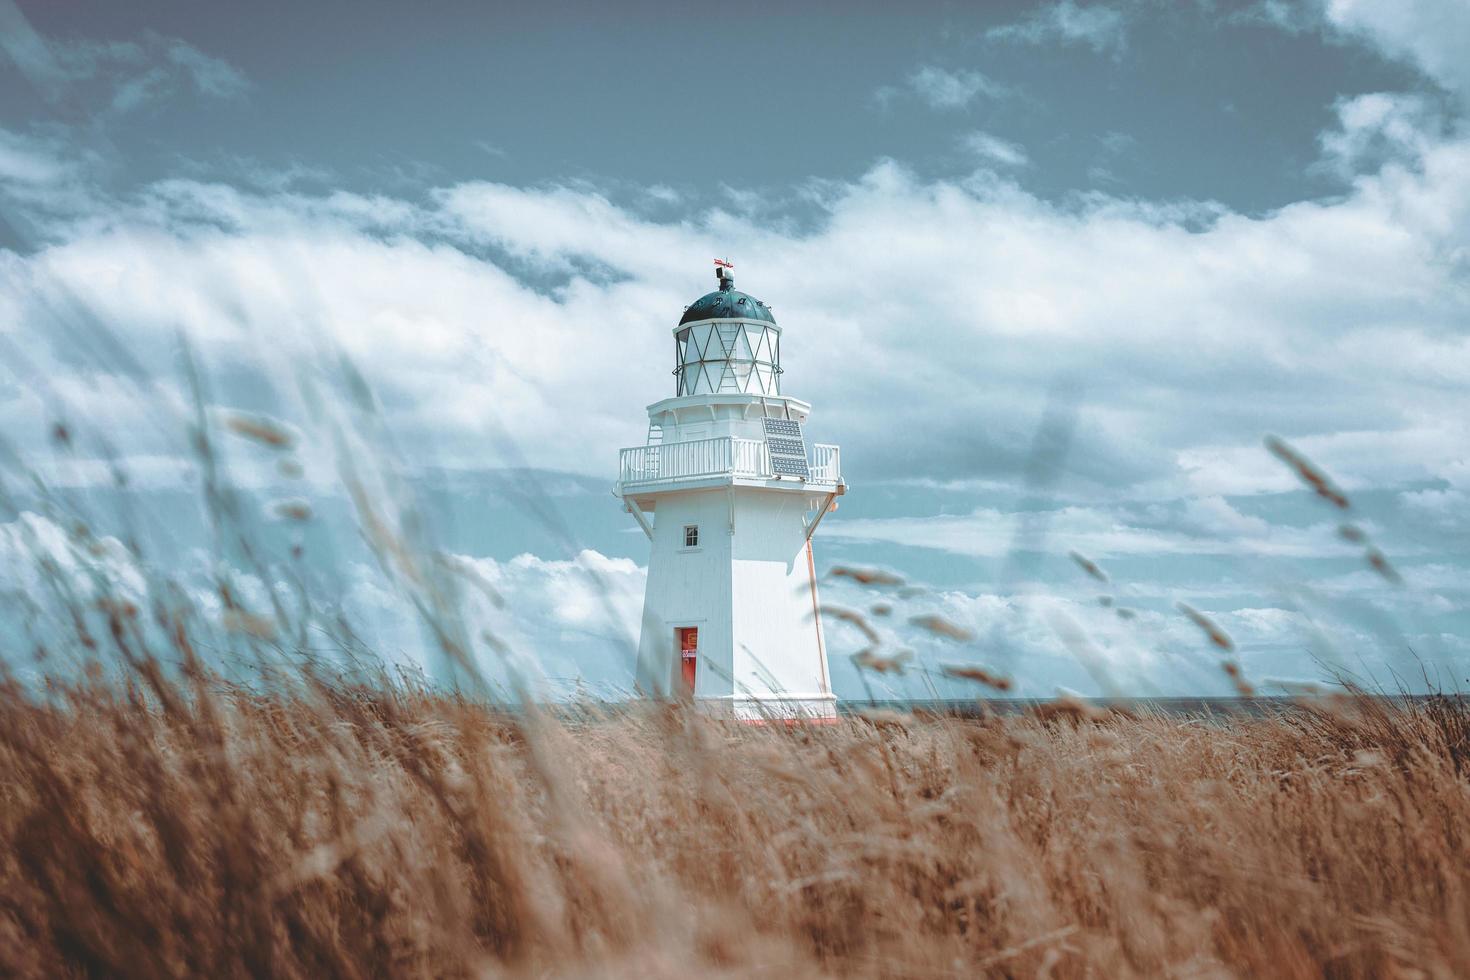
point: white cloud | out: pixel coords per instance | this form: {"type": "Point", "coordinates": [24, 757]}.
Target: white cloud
{"type": "Point", "coordinates": [944, 89]}
{"type": "Point", "coordinates": [481, 308]}
{"type": "Point", "coordinates": [1356, 460]}
{"type": "Point", "coordinates": [29, 161]}
{"type": "Point", "coordinates": [1193, 330]}
{"type": "Point", "coordinates": [1099, 26]}
{"type": "Point", "coordinates": [34, 548]}
{"type": "Point", "coordinates": [29, 51]}
{"type": "Point", "coordinates": [1046, 642]}
{"type": "Point", "coordinates": [1292, 16]}
{"type": "Point", "coordinates": [590, 594]}
{"type": "Point", "coordinates": [1214, 515]}
{"type": "Point", "coordinates": [132, 73]}
{"type": "Point", "coordinates": [210, 75]}
{"type": "Point", "coordinates": [1377, 129]}
{"type": "Point", "coordinates": [1445, 510]}
{"type": "Point", "coordinates": [1209, 526]}
{"type": "Point", "coordinates": [1432, 34]}
{"type": "Point", "coordinates": [994, 150]}
{"type": "Point", "coordinates": [554, 623]}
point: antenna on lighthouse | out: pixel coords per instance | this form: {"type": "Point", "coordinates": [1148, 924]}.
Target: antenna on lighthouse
{"type": "Point", "coordinates": [724, 272]}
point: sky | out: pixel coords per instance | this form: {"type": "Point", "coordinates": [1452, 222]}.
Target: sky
{"type": "Point", "coordinates": [1049, 273]}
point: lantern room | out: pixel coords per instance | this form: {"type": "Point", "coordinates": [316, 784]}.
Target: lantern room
{"type": "Point", "coordinates": [727, 341]}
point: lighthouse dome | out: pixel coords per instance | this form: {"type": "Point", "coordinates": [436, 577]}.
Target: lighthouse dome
{"type": "Point", "coordinates": [727, 341]}
{"type": "Point", "coordinates": [727, 303]}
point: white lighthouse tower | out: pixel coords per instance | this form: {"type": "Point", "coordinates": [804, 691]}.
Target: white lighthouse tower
{"type": "Point", "coordinates": [729, 493]}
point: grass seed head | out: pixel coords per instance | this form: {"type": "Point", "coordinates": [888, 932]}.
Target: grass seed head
{"type": "Point", "coordinates": [292, 509]}
{"type": "Point", "coordinates": [884, 718]}
{"type": "Point", "coordinates": [855, 618]}
{"type": "Point", "coordinates": [866, 576]}
{"type": "Point", "coordinates": [1067, 707]}
{"type": "Point", "coordinates": [1380, 564]}
{"type": "Point", "coordinates": [1237, 678]}
{"type": "Point", "coordinates": [870, 659]}
{"type": "Point", "coordinates": [249, 624]}
{"type": "Point", "coordinates": [261, 429]}
{"type": "Point", "coordinates": [940, 626]}
{"type": "Point", "coordinates": [1089, 566]}
{"type": "Point", "coordinates": [1216, 635]}
{"type": "Point", "coordinates": [1309, 474]}
{"type": "Point", "coordinates": [973, 672]}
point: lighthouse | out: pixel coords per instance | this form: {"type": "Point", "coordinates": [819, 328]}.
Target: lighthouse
{"type": "Point", "coordinates": [729, 493]}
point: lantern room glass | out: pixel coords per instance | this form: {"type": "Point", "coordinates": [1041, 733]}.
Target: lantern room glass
{"type": "Point", "coordinates": [713, 356]}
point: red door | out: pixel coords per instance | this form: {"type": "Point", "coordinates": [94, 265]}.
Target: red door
{"type": "Point", "coordinates": [688, 655]}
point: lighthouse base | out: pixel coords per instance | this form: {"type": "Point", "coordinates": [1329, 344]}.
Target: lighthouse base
{"type": "Point", "coordinates": [779, 708]}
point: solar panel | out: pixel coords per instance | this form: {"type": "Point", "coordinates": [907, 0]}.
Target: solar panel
{"type": "Point", "coordinates": [790, 466]}
{"type": "Point", "coordinates": [787, 447]}
{"type": "Point", "coordinates": [786, 428]}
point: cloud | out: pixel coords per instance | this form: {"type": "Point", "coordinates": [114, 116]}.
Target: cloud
{"type": "Point", "coordinates": [1357, 460]}
{"type": "Point", "coordinates": [28, 161]}
{"type": "Point", "coordinates": [1377, 129]}
{"type": "Point", "coordinates": [944, 89]}
{"type": "Point", "coordinates": [1193, 330]}
{"type": "Point", "coordinates": [1047, 642]}
{"type": "Point", "coordinates": [1445, 510]}
{"type": "Point", "coordinates": [559, 627]}
{"type": "Point", "coordinates": [551, 625]}
{"type": "Point", "coordinates": [590, 594]}
{"type": "Point", "coordinates": [34, 548]}
{"type": "Point", "coordinates": [566, 620]}
{"type": "Point", "coordinates": [503, 324]}
{"type": "Point", "coordinates": [530, 325]}
{"type": "Point", "coordinates": [210, 75]}
{"type": "Point", "coordinates": [1098, 26]}
{"type": "Point", "coordinates": [554, 623]}
{"type": "Point", "coordinates": [1291, 16]}
{"type": "Point", "coordinates": [1432, 34]}
{"type": "Point", "coordinates": [152, 70]}
{"type": "Point", "coordinates": [994, 150]}
{"type": "Point", "coordinates": [130, 74]}
{"type": "Point", "coordinates": [1207, 526]}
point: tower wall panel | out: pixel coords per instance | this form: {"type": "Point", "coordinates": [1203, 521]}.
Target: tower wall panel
{"type": "Point", "coordinates": [777, 634]}
{"type": "Point", "coordinates": [688, 587]}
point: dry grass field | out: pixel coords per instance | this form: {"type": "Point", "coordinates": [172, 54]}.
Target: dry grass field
{"type": "Point", "coordinates": [159, 817]}
{"type": "Point", "coordinates": [187, 828]}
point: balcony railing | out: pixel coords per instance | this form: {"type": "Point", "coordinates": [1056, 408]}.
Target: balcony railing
{"type": "Point", "coordinates": [826, 463]}
{"type": "Point", "coordinates": [704, 459]}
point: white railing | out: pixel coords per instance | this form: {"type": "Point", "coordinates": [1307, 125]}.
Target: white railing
{"type": "Point", "coordinates": [725, 456]}
{"type": "Point", "coordinates": [749, 457]}
{"type": "Point", "coordinates": [826, 463]}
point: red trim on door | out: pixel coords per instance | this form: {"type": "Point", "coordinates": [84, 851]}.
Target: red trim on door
{"type": "Point", "coordinates": [688, 655]}
{"type": "Point", "coordinates": [811, 571]}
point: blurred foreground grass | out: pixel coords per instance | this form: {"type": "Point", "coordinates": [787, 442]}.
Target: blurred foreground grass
{"type": "Point", "coordinates": [159, 817]}
{"type": "Point", "coordinates": [175, 825]}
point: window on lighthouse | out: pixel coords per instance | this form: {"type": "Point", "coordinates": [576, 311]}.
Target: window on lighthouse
{"type": "Point", "coordinates": [691, 535]}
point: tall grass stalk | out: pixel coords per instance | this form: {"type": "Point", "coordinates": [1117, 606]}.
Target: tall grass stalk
{"type": "Point", "coordinates": [186, 827]}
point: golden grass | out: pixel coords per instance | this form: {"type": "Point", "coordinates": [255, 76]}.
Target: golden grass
{"type": "Point", "coordinates": [159, 821]}
{"type": "Point", "coordinates": [188, 828]}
